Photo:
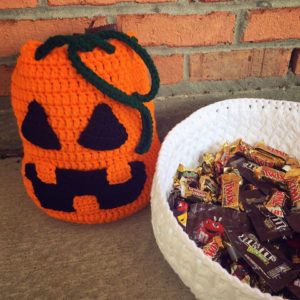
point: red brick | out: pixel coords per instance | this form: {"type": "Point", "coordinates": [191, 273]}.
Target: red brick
{"type": "Point", "coordinates": [239, 64]}
{"type": "Point", "coordinates": [99, 2]}
{"type": "Point", "coordinates": [170, 68]}
{"type": "Point", "coordinates": [5, 79]}
{"type": "Point", "coordinates": [188, 30]}
{"type": "Point", "coordinates": [15, 33]}
{"type": "Point", "coordinates": [273, 24]}
{"type": "Point", "coordinates": [8, 4]}
{"type": "Point", "coordinates": [296, 62]}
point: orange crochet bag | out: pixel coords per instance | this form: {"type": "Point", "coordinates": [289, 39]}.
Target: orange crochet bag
{"type": "Point", "coordinates": [85, 115]}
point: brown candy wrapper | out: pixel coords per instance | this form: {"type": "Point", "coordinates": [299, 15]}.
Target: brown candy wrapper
{"type": "Point", "coordinates": [246, 169]}
{"type": "Point", "coordinates": [230, 190]}
{"type": "Point", "coordinates": [264, 260]}
{"type": "Point", "coordinates": [294, 220]}
{"type": "Point", "coordinates": [242, 272]}
{"type": "Point", "coordinates": [294, 288]}
{"type": "Point", "coordinates": [267, 226]}
{"type": "Point", "coordinates": [206, 221]}
{"type": "Point", "coordinates": [179, 207]}
{"type": "Point", "coordinates": [249, 197]}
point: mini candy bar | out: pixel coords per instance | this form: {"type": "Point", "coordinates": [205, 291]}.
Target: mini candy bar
{"type": "Point", "coordinates": [267, 226]}
{"type": "Point", "coordinates": [292, 172]}
{"type": "Point", "coordinates": [206, 221]}
{"type": "Point", "coordinates": [271, 151]}
{"type": "Point", "coordinates": [263, 159]}
{"type": "Point", "coordinates": [223, 155]}
{"type": "Point", "coordinates": [182, 171]}
{"type": "Point", "coordinates": [179, 207]}
{"type": "Point", "coordinates": [246, 169]}
{"type": "Point", "coordinates": [276, 203]}
{"type": "Point", "coordinates": [173, 198]}
{"type": "Point", "coordinates": [207, 184]}
{"type": "Point", "coordinates": [293, 187]}
{"type": "Point", "coordinates": [277, 199]}
{"type": "Point", "coordinates": [240, 147]}
{"type": "Point", "coordinates": [237, 200]}
{"type": "Point", "coordinates": [207, 165]}
{"type": "Point", "coordinates": [191, 192]}
{"type": "Point", "coordinates": [264, 260]}
{"type": "Point", "coordinates": [230, 190]}
{"type": "Point", "coordinates": [271, 175]}
{"type": "Point", "coordinates": [242, 272]}
{"type": "Point", "coordinates": [213, 248]}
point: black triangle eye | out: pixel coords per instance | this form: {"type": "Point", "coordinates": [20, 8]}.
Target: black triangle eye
{"type": "Point", "coordinates": [104, 131]}
{"type": "Point", "coordinates": [36, 128]}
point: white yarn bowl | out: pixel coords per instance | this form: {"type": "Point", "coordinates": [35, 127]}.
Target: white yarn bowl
{"type": "Point", "coordinates": [277, 123]}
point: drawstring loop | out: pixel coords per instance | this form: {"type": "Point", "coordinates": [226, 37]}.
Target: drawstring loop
{"type": "Point", "coordinates": [88, 42]}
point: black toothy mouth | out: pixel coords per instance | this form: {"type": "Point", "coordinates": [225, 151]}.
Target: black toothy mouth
{"type": "Point", "coordinates": [71, 183]}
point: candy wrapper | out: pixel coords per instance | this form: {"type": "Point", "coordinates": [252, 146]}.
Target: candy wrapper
{"type": "Point", "coordinates": [230, 190]}
{"type": "Point", "coordinates": [241, 206]}
{"type": "Point", "coordinates": [268, 226]}
{"type": "Point", "coordinates": [246, 169]}
{"type": "Point", "coordinates": [264, 260]}
{"type": "Point", "coordinates": [207, 221]}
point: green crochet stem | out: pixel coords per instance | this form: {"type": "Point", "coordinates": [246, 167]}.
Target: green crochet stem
{"type": "Point", "coordinates": [86, 43]}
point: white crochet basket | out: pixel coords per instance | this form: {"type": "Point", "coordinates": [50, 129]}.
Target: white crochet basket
{"type": "Point", "coordinates": [275, 122]}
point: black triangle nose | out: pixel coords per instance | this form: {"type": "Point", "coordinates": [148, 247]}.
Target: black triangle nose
{"type": "Point", "coordinates": [104, 131]}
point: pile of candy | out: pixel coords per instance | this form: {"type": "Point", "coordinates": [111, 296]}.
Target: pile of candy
{"type": "Point", "coordinates": [242, 207]}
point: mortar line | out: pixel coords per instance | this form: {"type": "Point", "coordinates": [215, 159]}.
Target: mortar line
{"type": "Point", "coordinates": [8, 61]}
{"type": "Point", "coordinates": [111, 19]}
{"type": "Point", "coordinates": [42, 3]}
{"type": "Point", "coordinates": [186, 67]}
{"type": "Point", "coordinates": [240, 25]}
{"type": "Point", "coordinates": [220, 93]}
{"type": "Point", "coordinates": [162, 50]}
{"type": "Point", "coordinates": [179, 8]}
{"type": "Point", "coordinates": [166, 51]}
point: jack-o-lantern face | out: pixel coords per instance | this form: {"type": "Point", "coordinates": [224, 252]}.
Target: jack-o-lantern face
{"type": "Point", "coordinates": [80, 160]}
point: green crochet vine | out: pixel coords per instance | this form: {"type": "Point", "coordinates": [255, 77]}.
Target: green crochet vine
{"type": "Point", "coordinates": [87, 42]}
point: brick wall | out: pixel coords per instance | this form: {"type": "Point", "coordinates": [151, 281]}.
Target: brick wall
{"type": "Point", "coordinates": [190, 41]}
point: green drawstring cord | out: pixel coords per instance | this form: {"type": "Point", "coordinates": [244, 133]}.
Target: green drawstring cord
{"type": "Point", "coordinates": [86, 43]}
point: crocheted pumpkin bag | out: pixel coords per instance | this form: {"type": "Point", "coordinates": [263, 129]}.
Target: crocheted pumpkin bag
{"type": "Point", "coordinates": [85, 115]}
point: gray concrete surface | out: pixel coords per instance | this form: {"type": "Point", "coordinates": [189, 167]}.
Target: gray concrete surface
{"type": "Point", "coordinates": [42, 258]}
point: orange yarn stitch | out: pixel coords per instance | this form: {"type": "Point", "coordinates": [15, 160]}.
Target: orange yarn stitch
{"type": "Point", "coordinates": [50, 99]}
